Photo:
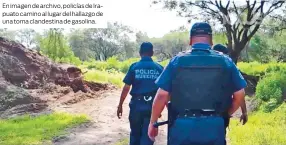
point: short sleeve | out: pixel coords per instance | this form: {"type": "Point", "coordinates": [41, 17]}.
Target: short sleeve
{"type": "Point", "coordinates": [161, 68]}
{"type": "Point", "coordinates": [164, 81]}
{"type": "Point", "coordinates": [128, 79]}
{"type": "Point", "coordinates": [237, 79]}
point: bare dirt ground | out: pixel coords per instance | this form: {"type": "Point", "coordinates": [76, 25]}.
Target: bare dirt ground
{"type": "Point", "coordinates": [105, 128]}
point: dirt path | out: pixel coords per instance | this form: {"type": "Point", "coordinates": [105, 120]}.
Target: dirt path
{"type": "Point", "coordinates": [105, 128]}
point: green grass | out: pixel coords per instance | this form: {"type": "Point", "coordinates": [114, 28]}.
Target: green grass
{"type": "Point", "coordinates": [27, 130]}
{"type": "Point", "coordinates": [123, 142]}
{"type": "Point", "coordinates": [114, 78]}
{"type": "Point", "coordinates": [261, 129]}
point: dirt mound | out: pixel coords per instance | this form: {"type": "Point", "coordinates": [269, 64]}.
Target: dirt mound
{"type": "Point", "coordinates": [15, 100]}
{"type": "Point", "coordinates": [29, 69]}
{"type": "Point", "coordinates": [29, 81]}
{"type": "Point", "coordinates": [25, 67]}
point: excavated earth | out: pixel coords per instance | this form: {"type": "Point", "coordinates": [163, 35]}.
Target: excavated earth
{"type": "Point", "coordinates": [29, 82]}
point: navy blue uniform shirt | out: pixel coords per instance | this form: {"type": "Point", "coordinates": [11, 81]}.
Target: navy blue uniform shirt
{"type": "Point", "coordinates": [165, 79]}
{"type": "Point", "coordinates": [142, 75]}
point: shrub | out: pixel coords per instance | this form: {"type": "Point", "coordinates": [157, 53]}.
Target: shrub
{"type": "Point", "coordinates": [260, 69]}
{"type": "Point", "coordinates": [270, 89]}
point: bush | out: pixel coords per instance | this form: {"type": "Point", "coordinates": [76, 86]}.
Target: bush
{"type": "Point", "coordinates": [260, 69]}
{"type": "Point", "coordinates": [270, 90]}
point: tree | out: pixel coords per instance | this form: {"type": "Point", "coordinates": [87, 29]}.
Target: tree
{"type": "Point", "coordinates": [248, 17]}
{"type": "Point", "coordinates": [110, 41]}
{"type": "Point", "coordinates": [141, 37]}
{"type": "Point", "coordinates": [259, 50]}
{"type": "Point", "coordinates": [27, 37]}
{"type": "Point", "coordinates": [79, 46]}
{"type": "Point", "coordinates": [8, 34]}
{"type": "Point", "coordinates": [170, 44]}
{"type": "Point", "coordinates": [278, 46]}
{"type": "Point", "coordinates": [54, 44]}
{"type": "Point", "coordinates": [128, 46]}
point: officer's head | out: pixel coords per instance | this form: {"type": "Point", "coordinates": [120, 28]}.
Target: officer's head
{"type": "Point", "coordinates": [220, 48]}
{"type": "Point", "coordinates": [146, 49]}
{"type": "Point", "coordinates": [201, 33]}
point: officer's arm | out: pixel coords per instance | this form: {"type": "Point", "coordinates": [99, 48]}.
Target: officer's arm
{"type": "Point", "coordinates": [238, 85]}
{"type": "Point", "coordinates": [159, 103]}
{"type": "Point", "coordinates": [243, 107]}
{"type": "Point", "coordinates": [162, 96]}
{"type": "Point", "coordinates": [238, 98]}
{"type": "Point", "coordinates": [128, 80]}
{"type": "Point", "coordinates": [124, 94]}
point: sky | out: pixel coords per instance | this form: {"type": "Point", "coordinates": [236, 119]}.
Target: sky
{"type": "Point", "coordinates": [140, 14]}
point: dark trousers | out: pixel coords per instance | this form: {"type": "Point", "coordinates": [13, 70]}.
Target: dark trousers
{"type": "Point", "coordinates": [226, 124]}
{"type": "Point", "coordinates": [197, 131]}
{"type": "Point", "coordinates": [139, 122]}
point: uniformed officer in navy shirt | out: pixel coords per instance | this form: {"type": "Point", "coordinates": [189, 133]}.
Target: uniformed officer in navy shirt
{"type": "Point", "coordinates": [199, 84]}
{"type": "Point", "coordinates": [141, 76]}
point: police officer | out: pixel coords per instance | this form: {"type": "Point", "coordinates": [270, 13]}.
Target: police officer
{"type": "Point", "coordinates": [244, 116]}
{"type": "Point", "coordinates": [199, 85]}
{"type": "Point", "coordinates": [141, 76]}
{"type": "Point", "coordinates": [220, 48]}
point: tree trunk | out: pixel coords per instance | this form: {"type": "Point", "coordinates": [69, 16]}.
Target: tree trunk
{"type": "Point", "coordinates": [250, 79]}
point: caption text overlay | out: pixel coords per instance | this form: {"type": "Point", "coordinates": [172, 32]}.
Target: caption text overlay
{"type": "Point", "coordinates": [53, 14]}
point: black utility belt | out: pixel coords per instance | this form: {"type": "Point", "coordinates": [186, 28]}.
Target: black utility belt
{"type": "Point", "coordinates": [199, 113]}
{"type": "Point", "coordinates": [146, 98]}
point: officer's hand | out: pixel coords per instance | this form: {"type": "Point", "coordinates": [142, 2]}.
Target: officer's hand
{"type": "Point", "coordinates": [119, 112]}
{"type": "Point", "coordinates": [152, 132]}
{"type": "Point", "coordinates": [243, 118]}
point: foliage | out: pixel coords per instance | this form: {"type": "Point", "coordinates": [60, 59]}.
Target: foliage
{"type": "Point", "coordinates": [271, 89]}
{"type": "Point", "coordinates": [100, 44]}
{"type": "Point", "coordinates": [9, 34]}
{"type": "Point", "coordinates": [170, 44]}
{"type": "Point", "coordinates": [260, 69]}
{"type": "Point", "coordinates": [27, 37]}
{"type": "Point", "coordinates": [35, 130]}
{"type": "Point", "coordinates": [240, 21]}
{"type": "Point", "coordinates": [54, 45]}
{"type": "Point", "coordinates": [261, 129]}
{"type": "Point", "coordinates": [79, 45]}
{"type": "Point", "coordinates": [111, 76]}
{"type": "Point", "coordinates": [111, 63]}
{"type": "Point", "coordinates": [259, 49]}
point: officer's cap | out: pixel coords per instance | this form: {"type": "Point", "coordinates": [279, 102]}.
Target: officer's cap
{"type": "Point", "coordinates": [220, 48]}
{"type": "Point", "coordinates": [146, 47]}
{"type": "Point", "coordinates": [201, 28]}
